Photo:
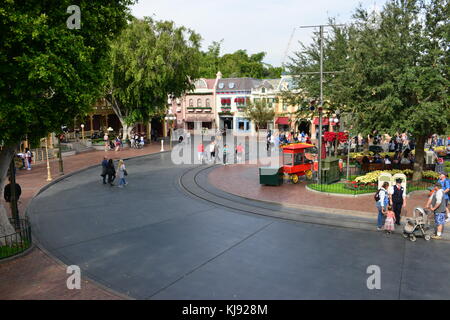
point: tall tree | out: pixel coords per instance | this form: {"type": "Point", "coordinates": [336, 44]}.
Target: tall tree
{"type": "Point", "coordinates": [395, 67]}
{"type": "Point", "coordinates": [260, 113]}
{"type": "Point", "coordinates": [48, 72]}
{"type": "Point", "coordinates": [236, 65]}
{"type": "Point", "coordinates": [150, 60]}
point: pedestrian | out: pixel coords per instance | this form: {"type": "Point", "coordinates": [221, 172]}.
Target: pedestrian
{"type": "Point", "coordinates": [188, 137]}
{"type": "Point", "coordinates": [382, 201]}
{"type": "Point", "coordinates": [142, 142]}
{"type": "Point", "coordinates": [104, 169]}
{"type": "Point", "coordinates": [212, 151]}
{"type": "Point", "coordinates": [225, 150]}
{"type": "Point", "coordinates": [28, 158]}
{"type": "Point", "coordinates": [111, 172]}
{"type": "Point", "coordinates": [200, 151]}
{"type": "Point", "coordinates": [117, 143]}
{"type": "Point", "coordinates": [106, 140]}
{"type": "Point", "coordinates": [437, 204]}
{"type": "Point", "coordinates": [389, 224]}
{"type": "Point", "coordinates": [445, 183]}
{"type": "Point", "coordinates": [122, 172]}
{"type": "Point", "coordinates": [397, 196]}
{"type": "Point", "coordinates": [240, 152]}
{"type": "Point", "coordinates": [7, 193]}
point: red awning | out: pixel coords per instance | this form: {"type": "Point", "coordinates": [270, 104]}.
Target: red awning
{"type": "Point", "coordinates": [324, 121]}
{"type": "Point", "coordinates": [282, 121]}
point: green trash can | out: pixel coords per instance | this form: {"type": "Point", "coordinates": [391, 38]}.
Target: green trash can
{"type": "Point", "coordinates": [330, 170]}
{"type": "Point", "coordinates": [271, 176]}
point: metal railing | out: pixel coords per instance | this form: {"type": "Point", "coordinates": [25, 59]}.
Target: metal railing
{"type": "Point", "coordinates": [17, 242]}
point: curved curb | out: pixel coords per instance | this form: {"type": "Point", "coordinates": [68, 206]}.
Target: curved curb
{"type": "Point", "coordinates": [328, 216]}
{"type": "Point", "coordinates": [36, 243]}
{"type": "Point", "coordinates": [19, 255]}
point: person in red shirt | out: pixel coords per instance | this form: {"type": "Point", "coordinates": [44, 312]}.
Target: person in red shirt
{"type": "Point", "coordinates": [200, 150]}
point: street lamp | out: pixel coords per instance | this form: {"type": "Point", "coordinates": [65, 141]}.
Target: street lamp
{"type": "Point", "coordinates": [82, 132]}
{"type": "Point", "coordinates": [49, 175]}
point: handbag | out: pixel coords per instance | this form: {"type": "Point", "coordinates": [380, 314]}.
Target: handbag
{"type": "Point", "coordinates": [125, 173]}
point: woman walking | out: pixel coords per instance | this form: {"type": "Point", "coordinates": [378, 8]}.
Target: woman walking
{"type": "Point", "coordinates": [122, 172]}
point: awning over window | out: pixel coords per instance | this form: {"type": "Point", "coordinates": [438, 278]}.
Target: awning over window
{"type": "Point", "coordinates": [282, 121]}
{"type": "Point", "coordinates": [325, 121]}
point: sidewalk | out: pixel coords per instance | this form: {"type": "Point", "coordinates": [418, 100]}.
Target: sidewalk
{"type": "Point", "coordinates": [36, 275]}
{"type": "Point", "coordinates": [243, 180]}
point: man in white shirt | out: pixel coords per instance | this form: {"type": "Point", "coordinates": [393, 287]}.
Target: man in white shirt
{"type": "Point", "coordinates": [437, 203]}
{"type": "Point", "coordinates": [382, 204]}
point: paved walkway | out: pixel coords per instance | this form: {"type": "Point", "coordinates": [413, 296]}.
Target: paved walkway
{"type": "Point", "coordinates": [36, 275]}
{"type": "Point", "coordinates": [154, 240]}
{"type": "Point", "coordinates": [243, 180]}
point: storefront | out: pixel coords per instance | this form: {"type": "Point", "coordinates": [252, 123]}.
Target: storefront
{"type": "Point", "coordinates": [243, 125]}
{"type": "Point", "coordinates": [283, 123]}
{"type": "Point", "coordinates": [205, 120]}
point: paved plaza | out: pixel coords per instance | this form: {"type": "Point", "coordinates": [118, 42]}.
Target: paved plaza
{"type": "Point", "coordinates": [162, 238]}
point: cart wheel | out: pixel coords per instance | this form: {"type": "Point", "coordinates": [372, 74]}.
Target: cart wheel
{"type": "Point", "coordinates": [405, 235]}
{"type": "Point", "coordinates": [412, 238]}
{"type": "Point", "coordinates": [427, 237]}
{"type": "Point", "coordinates": [294, 178]}
{"type": "Point", "coordinates": [308, 174]}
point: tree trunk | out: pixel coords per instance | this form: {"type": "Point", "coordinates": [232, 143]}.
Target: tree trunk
{"type": "Point", "coordinates": [419, 158]}
{"type": "Point", "coordinates": [6, 156]}
{"type": "Point", "coordinates": [126, 130]}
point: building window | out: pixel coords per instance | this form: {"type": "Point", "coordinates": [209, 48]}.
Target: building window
{"type": "Point", "coordinates": [208, 104]}
{"type": "Point", "coordinates": [191, 103]}
{"type": "Point", "coordinates": [226, 102]}
{"type": "Point", "coordinates": [199, 103]}
{"type": "Point", "coordinates": [263, 90]}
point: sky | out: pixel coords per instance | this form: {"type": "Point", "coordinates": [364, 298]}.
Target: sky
{"type": "Point", "coordinates": [253, 25]}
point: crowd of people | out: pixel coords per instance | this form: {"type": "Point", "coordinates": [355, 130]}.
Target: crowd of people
{"type": "Point", "coordinates": [109, 172]}
{"type": "Point", "coordinates": [391, 200]}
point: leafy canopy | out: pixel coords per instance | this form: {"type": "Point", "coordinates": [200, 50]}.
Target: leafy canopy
{"type": "Point", "coordinates": [149, 61]}
{"type": "Point", "coordinates": [236, 65]}
{"type": "Point", "coordinates": [49, 73]}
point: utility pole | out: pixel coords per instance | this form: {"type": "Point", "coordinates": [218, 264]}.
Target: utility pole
{"type": "Point", "coordinates": [321, 72]}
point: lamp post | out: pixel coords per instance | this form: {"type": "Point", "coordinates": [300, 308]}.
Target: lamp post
{"type": "Point", "coordinates": [61, 167]}
{"type": "Point", "coordinates": [49, 175]}
{"type": "Point", "coordinates": [82, 132]}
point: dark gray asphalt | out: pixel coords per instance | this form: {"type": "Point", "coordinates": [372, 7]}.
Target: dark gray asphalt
{"type": "Point", "coordinates": [152, 240]}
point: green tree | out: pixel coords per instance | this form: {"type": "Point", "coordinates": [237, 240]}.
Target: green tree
{"type": "Point", "coordinates": [236, 65]}
{"type": "Point", "coordinates": [260, 113]}
{"type": "Point", "coordinates": [395, 67]}
{"type": "Point", "coordinates": [49, 73]}
{"type": "Point", "coordinates": [151, 60]}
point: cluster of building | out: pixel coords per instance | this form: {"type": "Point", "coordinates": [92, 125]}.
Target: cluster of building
{"type": "Point", "coordinates": [218, 104]}
{"type": "Point", "coordinates": [221, 103]}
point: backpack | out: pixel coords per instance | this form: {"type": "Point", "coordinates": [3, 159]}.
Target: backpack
{"type": "Point", "coordinates": [377, 195]}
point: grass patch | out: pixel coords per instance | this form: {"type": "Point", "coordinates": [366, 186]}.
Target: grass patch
{"type": "Point", "coordinates": [340, 188]}
{"type": "Point", "coordinates": [9, 251]}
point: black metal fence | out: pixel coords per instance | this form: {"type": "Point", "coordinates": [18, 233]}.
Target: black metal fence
{"type": "Point", "coordinates": [17, 242]}
{"type": "Point", "coordinates": [344, 183]}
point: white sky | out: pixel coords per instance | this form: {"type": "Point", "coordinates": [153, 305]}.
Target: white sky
{"type": "Point", "coordinates": [254, 25]}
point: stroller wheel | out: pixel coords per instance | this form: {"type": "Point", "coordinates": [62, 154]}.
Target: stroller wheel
{"type": "Point", "coordinates": [412, 238]}
{"type": "Point", "coordinates": [427, 237]}
{"type": "Point", "coordinates": [405, 235]}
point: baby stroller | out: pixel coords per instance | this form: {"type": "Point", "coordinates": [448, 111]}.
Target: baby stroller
{"type": "Point", "coordinates": [418, 225]}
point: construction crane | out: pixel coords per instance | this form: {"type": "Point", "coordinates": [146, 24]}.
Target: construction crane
{"type": "Point", "coordinates": [287, 48]}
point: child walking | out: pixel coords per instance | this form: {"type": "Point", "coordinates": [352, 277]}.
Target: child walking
{"type": "Point", "coordinates": [389, 224]}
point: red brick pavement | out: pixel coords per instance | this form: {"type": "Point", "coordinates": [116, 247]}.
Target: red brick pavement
{"type": "Point", "coordinates": [243, 180]}
{"type": "Point", "coordinates": [36, 275]}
